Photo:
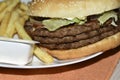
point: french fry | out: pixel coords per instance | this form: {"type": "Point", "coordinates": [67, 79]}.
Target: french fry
{"type": "Point", "coordinates": [12, 5]}
{"type": "Point", "coordinates": [23, 6]}
{"type": "Point", "coordinates": [21, 32]}
{"type": "Point", "coordinates": [4, 24]}
{"type": "Point", "coordinates": [3, 5]}
{"type": "Point", "coordinates": [2, 14]}
{"type": "Point", "coordinates": [42, 55]}
{"type": "Point", "coordinates": [8, 2]}
{"type": "Point", "coordinates": [21, 13]}
{"type": "Point", "coordinates": [8, 8]}
{"type": "Point", "coordinates": [25, 17]}
{"type": "Point", "coordinates": [11, 27]}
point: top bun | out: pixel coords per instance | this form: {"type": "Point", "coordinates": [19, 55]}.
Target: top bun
{"type": "Point", "coordinates": [71, 8]}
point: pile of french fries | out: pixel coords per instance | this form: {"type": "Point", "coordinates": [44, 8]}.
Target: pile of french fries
{"type": "Point", "coordinates": [13, 15]}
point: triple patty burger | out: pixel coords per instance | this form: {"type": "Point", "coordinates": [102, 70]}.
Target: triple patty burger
{"type": "Point", "coordinates": [74, 28]}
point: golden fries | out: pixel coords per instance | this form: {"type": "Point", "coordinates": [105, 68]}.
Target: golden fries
{"type": "Point", "coordinates": [20, 30]}
{"type": "Point", "coordinates": [22, 13]}
{"type": "Point", "coordinates": [4, 24]}
{"type": "Point", "coordinates": [42, 55]}
{"type": "Point", "coordinates": [9, 8]}
{"type": "Point", "coordinates": [13, 15]}
{"type": "Point", "coordinates": [11, 28]}
{"type": "Point", "coordinates": [3, 5]}
{"type": "Point", "coordinates": [23, 6]}
{"type": "Point", "coordinates": [12, 5]}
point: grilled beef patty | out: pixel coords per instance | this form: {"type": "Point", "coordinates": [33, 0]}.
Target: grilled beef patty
{"type": "Point", "coordinates": [72, 36]}
{"type": "Point", "coordinates": [80, 43]}
{"type": "Point", "coordinates": [70, 30]}
{"type": "Point", "coordinates": [75, 38]}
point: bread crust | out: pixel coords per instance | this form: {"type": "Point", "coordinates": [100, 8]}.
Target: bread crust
{"type": "Point", "coordinates": [71, 8]}
{"type": "Point", "coordinates": [100, 46]}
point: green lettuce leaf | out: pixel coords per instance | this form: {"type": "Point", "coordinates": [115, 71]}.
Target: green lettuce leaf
{"type": "Point", "coordinates": [54, 24]}
{"type": "Point", "coordinates": [111, 14]}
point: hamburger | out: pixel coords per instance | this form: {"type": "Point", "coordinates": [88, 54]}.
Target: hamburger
{"type": "Point", "coordinates": [69, 29]}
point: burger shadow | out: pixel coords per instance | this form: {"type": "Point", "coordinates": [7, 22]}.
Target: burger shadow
{"type": "Point", "coordinates": [59, 69]}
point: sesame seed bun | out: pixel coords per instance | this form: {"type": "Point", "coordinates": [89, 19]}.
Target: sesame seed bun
{"type": "Point", "coordinates": [71, 8]}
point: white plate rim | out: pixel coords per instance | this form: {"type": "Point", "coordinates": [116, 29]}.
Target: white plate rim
{"type": "Point", "coordinates": [59, 63]}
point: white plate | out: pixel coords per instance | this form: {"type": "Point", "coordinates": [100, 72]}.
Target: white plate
{"type": "Point", "coordinates": [57, 63]}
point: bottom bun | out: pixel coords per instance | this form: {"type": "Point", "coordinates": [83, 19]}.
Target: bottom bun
{"type": "Point", "coordinates": [100, 46]}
